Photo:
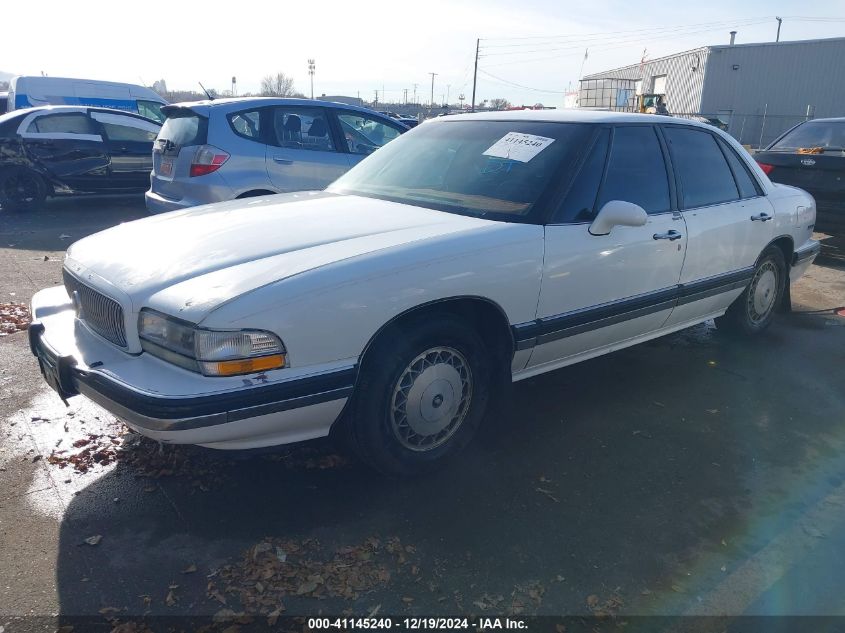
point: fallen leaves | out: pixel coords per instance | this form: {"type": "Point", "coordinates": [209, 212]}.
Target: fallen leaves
{"type": "Point", "coordinates": [605, 608]}
{"type": "Point", "coordinates": [274, 569]}
{"type": "Point", "coordinates": [14, 317]}
{"type": "Point", "coordinates": [94, 540]}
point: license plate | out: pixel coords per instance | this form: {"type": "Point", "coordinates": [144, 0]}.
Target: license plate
{"type": "Point", "coordinates": [166, 167]}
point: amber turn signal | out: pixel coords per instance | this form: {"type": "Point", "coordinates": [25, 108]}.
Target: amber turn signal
{"type": "Point", "coordinates": [245, 366]}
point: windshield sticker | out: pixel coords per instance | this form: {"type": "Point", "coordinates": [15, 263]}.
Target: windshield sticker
{"type": "Point", "coordinates": [518, 146]}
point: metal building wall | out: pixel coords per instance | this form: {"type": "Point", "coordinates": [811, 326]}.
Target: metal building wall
{"type": "Point", "coordinates": [684, 78]}
{"type": "Point", "coordinates": [764, 89]}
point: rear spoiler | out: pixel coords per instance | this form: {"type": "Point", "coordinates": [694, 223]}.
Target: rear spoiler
{"type": "Point", "coordinates": [198, 108]}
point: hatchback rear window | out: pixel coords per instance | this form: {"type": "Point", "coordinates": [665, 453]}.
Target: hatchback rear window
{"type": "Point", "coordinates": [184, 127]}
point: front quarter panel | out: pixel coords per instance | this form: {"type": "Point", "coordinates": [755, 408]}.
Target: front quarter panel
{"type": "Point", "coordinates": [331, 313]}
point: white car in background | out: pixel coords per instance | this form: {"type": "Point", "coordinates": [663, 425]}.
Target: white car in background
{"type": "Point", "coordinates": [470, 252]}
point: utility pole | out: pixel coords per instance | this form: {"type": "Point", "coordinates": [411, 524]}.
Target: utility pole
{"type": "Point", "coordinates": [475, 74]}
{"type": "Point", "coordinates": [448, 88]}
{"type": "Point", "coordinates": [777, 39]}
{"type": "Point", "coordinates": [311, 67]}
{"type": "Point", "coordinates": [405, 96]}
{"type": "Point", "coordinates": [415, 93]}
{"type": "Point", "coordinates": [461, 99]}
{"type": "Point", "coordinates": [375, 102]}
{"type": "Point", "coordinates": [431, 102]}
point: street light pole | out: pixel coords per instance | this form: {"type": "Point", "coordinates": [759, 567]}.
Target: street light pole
{"type": "Point", "coordinates": [780, 20]}
{"type": "Point", "coordinates": [448, 87]}
{"type": "Point", "coordinates": [311, 67]}
{"type": "Point", "coordinates": [431, 102]}
{"type": "Point", "coordinates": [475, 74]}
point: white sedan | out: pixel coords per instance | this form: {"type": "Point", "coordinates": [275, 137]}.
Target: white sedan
{"type": "Point", "coordinates": [470, 252]}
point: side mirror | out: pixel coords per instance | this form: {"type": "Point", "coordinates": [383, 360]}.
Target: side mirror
{"type": "Point", "coordinates": [618, 213]}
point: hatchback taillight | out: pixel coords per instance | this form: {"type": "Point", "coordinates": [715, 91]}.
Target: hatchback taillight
{"type": "Point", "coordinates": [767, 169]}
{"type": "Point", "coordinates": [207, 159]}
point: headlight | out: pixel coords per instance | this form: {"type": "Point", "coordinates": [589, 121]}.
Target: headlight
{"type": "Point", "coordinates": [211, 352]}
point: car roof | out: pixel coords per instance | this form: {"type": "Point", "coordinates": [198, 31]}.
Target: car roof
{"type": "Point", "coordinates": [236, 103]}
{"type": "Point", "coordinates": [76, 108]}
{"type": "Point", "coordinates": [570, 116]}
{"type": "Point", "coordinates": [833, 119]}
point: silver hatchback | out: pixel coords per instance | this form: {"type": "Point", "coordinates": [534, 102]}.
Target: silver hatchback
{"type": "Point", "coordinates": [210, 151]}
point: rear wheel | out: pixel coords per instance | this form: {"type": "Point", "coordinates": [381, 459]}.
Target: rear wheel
{"type": "Point", "coordinates": [421, 395]}
{"type": "Point", "coordinates": [754, 309]}
{"type": "Point", "coordinates": [21, 190]}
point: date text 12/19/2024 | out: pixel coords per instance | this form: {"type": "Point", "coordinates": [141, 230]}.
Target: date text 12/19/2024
{"type": "Point", "coordinates": [415, 624]}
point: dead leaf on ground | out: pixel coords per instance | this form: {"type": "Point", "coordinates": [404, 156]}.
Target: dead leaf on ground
{"type": "Point", "coordinates": [94, 540]}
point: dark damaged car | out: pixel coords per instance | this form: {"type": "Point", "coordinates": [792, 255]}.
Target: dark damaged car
{"type": "Point", "coordinates": [54, 150]}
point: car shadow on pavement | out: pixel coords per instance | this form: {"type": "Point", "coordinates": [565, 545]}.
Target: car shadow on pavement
{"type": "Point", "coordinates": [625, 484]}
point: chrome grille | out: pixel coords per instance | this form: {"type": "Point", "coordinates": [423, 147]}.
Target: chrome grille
{"type": "Point", "coordinates": [101, 313]}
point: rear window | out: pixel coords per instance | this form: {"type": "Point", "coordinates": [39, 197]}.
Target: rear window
{"type": "Point", "coordinates": [824, 134]}
{"type": "Point", "coordinates": [184, 127]}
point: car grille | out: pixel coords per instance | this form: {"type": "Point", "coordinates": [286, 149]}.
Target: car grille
{"type": "Point", "coordinates": [102, 314]}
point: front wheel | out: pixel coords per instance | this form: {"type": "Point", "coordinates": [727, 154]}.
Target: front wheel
{"type": "Point", "coordinates": [21, 190]}
{"type": "Point", "coordinates": [421, 395]}
{"type": "Point", "coordinates": [754, 309]}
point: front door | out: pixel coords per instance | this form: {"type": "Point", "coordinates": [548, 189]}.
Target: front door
{"type": "Point", "coordinates": [601, 290]}
{"type": "Point", "coordinates": [728, 219]}
{"type": "Point", "coordinates": [303, 153]}
{"type": "Point", "coordinates": [68, 146]}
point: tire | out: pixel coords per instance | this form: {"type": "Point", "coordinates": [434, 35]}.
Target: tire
{"type": "Point", "coordinates": [427, 362]}
{"type": "Point", "coordinates": [753, 310]}
{"type": "Point", "coordinates": [21, 190]}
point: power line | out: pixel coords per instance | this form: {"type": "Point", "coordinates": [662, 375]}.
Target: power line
{"type": "Point", "coordinates": [511, 83]}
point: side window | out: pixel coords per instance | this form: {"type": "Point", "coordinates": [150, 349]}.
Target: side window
{"type": "Point", "coordinates": [580, 202]}
{"type": "Point", "coordinates": [744, 180]}
{"type": "Point", "coordinates": [151, 110]}
{"type": "Point", "coordinates": [636, 171]}
{"type": "Point", "coordinates": [119, 127]}
{"type": "Point", "coordinates": [127, 133]}
{"type": "Point", "coordinates": [67, 123]}
{"type": "Point", "coordinates": [363, 134]}
{"type": "Point", "coordinates": [302, 128]}
{"type": "Point", "coordinates": [705, 176]}
{"type": "Point", "coordinates": [246, 124]}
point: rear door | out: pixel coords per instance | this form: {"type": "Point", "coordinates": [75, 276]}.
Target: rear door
{"type": "Point", "coordinates": [69, 146]}
{"type": "Point", "coordinates": [129, 142]}
{"type": "Point", "coordinates": [302, 151]}
{"type": "Point", "coordinates": [727, 217]}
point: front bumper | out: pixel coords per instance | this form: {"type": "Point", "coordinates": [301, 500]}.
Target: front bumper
{"type": "Point", "coordinates": [197, 410]}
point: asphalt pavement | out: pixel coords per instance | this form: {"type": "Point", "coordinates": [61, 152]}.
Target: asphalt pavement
{"type": "Point", "coordinates": [695, 475]}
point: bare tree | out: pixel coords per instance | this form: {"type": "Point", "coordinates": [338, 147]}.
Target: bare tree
{"type": "Point", "coordinates": [278, 85]}
{"type": "Point", "coordinates": [500, 104]}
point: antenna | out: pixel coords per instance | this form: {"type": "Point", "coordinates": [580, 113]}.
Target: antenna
{"type": "Point", "coordinates": [207, 93]}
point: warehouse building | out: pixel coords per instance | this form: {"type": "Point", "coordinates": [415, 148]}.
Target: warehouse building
{"type": "Point", "coordinates": [754, 91]}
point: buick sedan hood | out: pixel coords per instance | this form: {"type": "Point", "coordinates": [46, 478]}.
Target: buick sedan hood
{"type": "Point", "coordinates": [203, 256]}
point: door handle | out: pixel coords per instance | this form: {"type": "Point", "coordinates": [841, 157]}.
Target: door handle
{"type": "Point", "coordinates": [282, 161]}
{"type": "Point", "coordinates": [763, 217]}
{"type": "Point", "coordinates": [668, 235]}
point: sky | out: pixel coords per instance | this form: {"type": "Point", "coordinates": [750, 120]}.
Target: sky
{"type": "Point", "coordinates": [532, 51]}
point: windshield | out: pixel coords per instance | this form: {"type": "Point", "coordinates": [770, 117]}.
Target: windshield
{"type": "Point", "coordinates": [827, 135]}
{"type": "Point", "coordinates": [484, 168]}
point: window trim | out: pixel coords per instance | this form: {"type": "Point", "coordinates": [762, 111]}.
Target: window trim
{"type": "Point", "coordinates": [683, 208]}
{"type": "Point", "coordinates": [58, 136]}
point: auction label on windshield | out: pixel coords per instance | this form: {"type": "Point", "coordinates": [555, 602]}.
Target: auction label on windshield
{"type": "Point", "coordinates": [518, 146]}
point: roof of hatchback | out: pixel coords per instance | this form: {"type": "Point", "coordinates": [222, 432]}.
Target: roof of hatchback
{"type": "Point", "coordinates": [237, 102]}
{"type": "Point", "coordinates": [569, 116]}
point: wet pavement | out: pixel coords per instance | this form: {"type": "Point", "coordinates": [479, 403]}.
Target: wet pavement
{"type": "Point", "coordinates": [695, 474]}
